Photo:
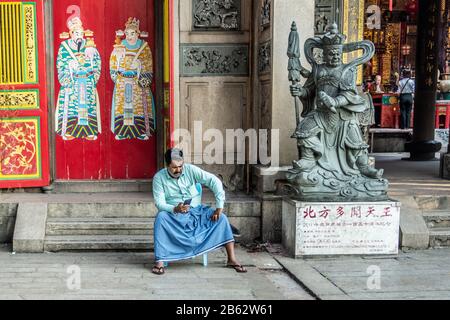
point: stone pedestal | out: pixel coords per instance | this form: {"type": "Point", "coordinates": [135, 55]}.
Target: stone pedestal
{"type": "Point", "coordinates": [445, 166]}
{"type": "Point", "coordinates": [350, 228]}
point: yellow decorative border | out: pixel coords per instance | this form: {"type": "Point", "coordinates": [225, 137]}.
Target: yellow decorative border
{"type": "Point", "coordinates": [37, 175]}
{"type": "Point", "coordinates": [19, 100]}
{"type": "Point", "coordinates": [29, 16]}
{"type": "Point", "coordinates": [346, 30]}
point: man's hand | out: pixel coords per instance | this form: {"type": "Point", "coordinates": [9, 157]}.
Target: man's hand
{"type": "Point", "coordinates": [215, 217]}
{"type": "Point", "coordinates": [181, 208]}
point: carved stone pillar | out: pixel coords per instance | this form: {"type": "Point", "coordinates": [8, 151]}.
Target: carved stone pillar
{"type": "Point", "coordinates": [283, 109]}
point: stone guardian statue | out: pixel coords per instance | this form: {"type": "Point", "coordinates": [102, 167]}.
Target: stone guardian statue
{"type": "Point", "coordinates": [334, 160]}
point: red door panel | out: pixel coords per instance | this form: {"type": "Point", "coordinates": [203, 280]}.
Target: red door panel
{"type": "Point", "coordinates": [23, 97]}
{"type": "Point", "coordinates": [106, 157]}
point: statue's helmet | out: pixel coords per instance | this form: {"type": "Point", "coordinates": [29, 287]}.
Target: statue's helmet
{"type": "Point", "coordinates": [333, 39]}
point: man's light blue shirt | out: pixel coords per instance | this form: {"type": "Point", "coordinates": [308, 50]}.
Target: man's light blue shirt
{"type": "Point", "coordinates": [169, 192]}
{"type": "Point", "coordinates": [407, 86]}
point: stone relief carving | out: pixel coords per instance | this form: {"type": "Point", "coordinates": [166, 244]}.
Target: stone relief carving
{"type": "Point", "coordinates": [233, 182]}
{"type": "Point", "coordinates": [326, 12]}
{"type": "Point", "coordinates": [265, 13]}
{"type": "Point", "coordinates": [264, 57]}
{"type": "Point", "coordinates": [215, 60]}
{"type": "Point", "coordinates": [216, 14]}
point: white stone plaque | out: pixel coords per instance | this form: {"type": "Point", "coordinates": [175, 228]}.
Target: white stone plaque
{"type": "Point", "coordinates": [342, 228]}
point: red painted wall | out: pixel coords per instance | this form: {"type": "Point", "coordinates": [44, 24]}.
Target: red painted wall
{"type": "Point", "coordinates": [105, 158]}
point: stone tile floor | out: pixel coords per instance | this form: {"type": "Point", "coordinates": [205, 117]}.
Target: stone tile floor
{"type": "Point", "coordinates": [272, 275]}
{"type": "Point", "coordinates": [421, 274]}
{"type": "Point", "coordinates": [127, 276]}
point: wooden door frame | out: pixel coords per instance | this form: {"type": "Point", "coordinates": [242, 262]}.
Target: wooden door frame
{"type": "Point", "coordinates": [158, 79]}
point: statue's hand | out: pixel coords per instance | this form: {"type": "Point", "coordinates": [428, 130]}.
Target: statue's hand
{"type": "Point", "coordinates": [298, 91]}
{"type": "Point", "coordinates": [328, 101]}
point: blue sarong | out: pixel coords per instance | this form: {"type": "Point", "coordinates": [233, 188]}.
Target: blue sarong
{"type": "Point", "coordinates": [182, 236]}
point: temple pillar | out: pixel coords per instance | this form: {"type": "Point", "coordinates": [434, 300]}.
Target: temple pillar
{"type": "Point", "coordinates": [423, 147]}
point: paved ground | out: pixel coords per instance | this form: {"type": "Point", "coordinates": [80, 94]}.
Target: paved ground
{"type": "Point", "coordinates": [423, 274]}
{"type": "Point", "coordinates": [412, 178]}
{"type": "Point", "coordinates": [125, 276]}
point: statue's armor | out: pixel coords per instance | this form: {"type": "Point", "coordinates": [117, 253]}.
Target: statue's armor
{"type": "Point", "coordinates": [329, 80]}
{"type": "Point", "coordinates": [322, 118]}
{"type": "Point", "coordinates": [333, 81]}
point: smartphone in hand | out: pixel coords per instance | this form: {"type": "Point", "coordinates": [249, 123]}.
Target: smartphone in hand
{"type": "Point", "coordinates": [187, 202]}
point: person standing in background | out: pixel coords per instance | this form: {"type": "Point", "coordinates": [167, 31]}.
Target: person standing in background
{"type": "Point", "coordinates": [406, 91]}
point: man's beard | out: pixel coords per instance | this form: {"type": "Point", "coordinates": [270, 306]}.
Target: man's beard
{"type": "Point", "coordinates": [174, 175]}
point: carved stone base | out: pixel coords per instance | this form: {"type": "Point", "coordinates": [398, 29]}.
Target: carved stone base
{"type": "Point", "coordinates": [445, 166]}
{"type": "Point", "coordinates": [340, 228]}
{"type": "Point", "coordinates": [321, 185]}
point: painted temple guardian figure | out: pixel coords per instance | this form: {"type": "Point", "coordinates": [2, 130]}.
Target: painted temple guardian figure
{"type": "Point", "coordinates": [334, 160]}
{"type": "Point", "coordinates": [131, 65]}
{"type": "Point", "coordinates": [79, 67]}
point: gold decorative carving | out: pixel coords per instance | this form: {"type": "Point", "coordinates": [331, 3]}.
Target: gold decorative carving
{"type": "Point", "coordinates": [19, 156]}
{"type": "Point", "coordinates": [30, 43]}
{"type": "Point", "coordinates": [25, 99]}
{"type": "Point", "coordinates": [353, 27]}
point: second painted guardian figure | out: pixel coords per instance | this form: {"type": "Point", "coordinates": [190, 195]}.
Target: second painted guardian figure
{"type": "Point", "coordinates": [131, 65]}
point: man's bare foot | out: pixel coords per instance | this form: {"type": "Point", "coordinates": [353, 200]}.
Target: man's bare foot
{"type": "Point", "coordinates": [158, 268]}
{"type": "Point", "coordinates": [236, 266]}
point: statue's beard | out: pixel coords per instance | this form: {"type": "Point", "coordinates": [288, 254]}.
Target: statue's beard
{"type": "Point", "coordinates": [334, 64]}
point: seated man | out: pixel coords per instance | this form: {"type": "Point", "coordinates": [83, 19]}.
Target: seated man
{"type": "Point", "coordinates": [183, 231]}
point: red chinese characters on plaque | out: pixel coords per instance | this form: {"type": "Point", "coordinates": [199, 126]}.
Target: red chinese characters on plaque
{"type": "Point", "coordinates": [347, 228]}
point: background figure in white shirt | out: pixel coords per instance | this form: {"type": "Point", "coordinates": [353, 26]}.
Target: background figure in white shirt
{"type": "Point", "coordinates": [406, 90]}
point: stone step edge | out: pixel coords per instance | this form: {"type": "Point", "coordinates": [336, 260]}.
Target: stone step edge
{"type": "Point", "coordinates": [93, 237]}
{"type": "Point", "coordinates": [440, 213]}
{"type": "Point", "coordinates": [100, 221]}
{"type": "Point", "coordinates": [440, 232]}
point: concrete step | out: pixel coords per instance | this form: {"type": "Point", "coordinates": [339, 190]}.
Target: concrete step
{"type": "Point", "coordinates": [437, 219]}
{"type": "Point", "coordinates": [236, 207]}
{"type": "Point", "coordinates": [102, 210]}
{"type": "Point", "coordinates": [440, 237]}
{"type": "Point", "coordinates": [103, 186]}
{"type": "Point", "coordinates": [100, 226]}
{"type": "Point", "coordinates": [97, 242]}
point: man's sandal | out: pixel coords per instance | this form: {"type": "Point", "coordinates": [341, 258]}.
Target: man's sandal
{"type": "Point", "coordinates": [158, 270]}
{"type": "Point", "coordinates": [238, 267]}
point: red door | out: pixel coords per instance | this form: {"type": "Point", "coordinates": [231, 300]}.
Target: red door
{"type": "Point", "coordinates": [23, 98]}
{"type": "Point", "coordinates": [104, 119]}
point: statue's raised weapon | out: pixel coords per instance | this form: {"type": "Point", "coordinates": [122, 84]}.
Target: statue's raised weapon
{"type": "Point", "coordinates": [294, 66]}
